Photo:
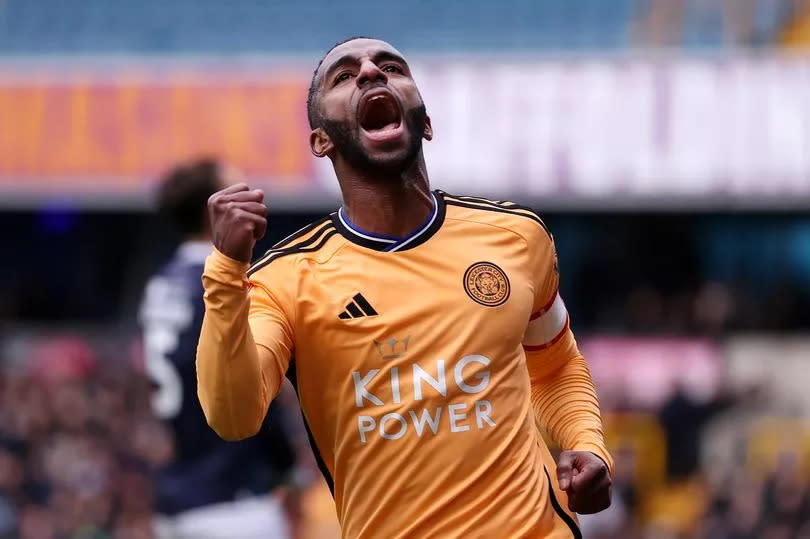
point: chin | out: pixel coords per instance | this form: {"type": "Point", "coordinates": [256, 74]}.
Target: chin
{"type": "Point", "coordinates": [390, 161]}
{"type": "Point", "coordinates": [395, 155]}
{"type": "Point", "coordinates": [389, 164]}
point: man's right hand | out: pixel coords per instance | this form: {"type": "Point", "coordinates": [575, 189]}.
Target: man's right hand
{"type": "Point", "coordinates": [238, 219]}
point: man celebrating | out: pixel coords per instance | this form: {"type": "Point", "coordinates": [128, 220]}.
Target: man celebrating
{"type": "Point", "coordinates": [423, 332]}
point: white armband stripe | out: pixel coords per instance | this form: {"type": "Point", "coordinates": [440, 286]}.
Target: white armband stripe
{"type": "Point", "coordinates": [548, 326]}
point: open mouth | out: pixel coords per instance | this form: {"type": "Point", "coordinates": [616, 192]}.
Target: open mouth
{"type": "Point", "coordinates": [380, 114]}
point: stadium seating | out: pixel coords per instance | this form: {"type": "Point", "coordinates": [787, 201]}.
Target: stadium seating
{"type": "Point", "coordinates": [256, 26]}
{"type": "Point", "coordinates": [155, 26]}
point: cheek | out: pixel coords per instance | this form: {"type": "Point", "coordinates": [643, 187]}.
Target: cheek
{"type": "Point", "coordinates": [410, 94]}
{"type": "Point", "coordinates": [337, 105]}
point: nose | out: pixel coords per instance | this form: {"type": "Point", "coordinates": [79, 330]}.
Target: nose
{"type": "Point", "coordinates": [369, 72]}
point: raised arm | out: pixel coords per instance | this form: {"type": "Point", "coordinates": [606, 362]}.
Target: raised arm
{"type": "Point", "coordinates": [246, 338]}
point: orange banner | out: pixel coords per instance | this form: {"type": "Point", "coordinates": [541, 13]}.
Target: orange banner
{"type": "Point", "coordinates": [120, 134]}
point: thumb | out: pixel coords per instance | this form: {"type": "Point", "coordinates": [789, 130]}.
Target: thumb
{"type": "Point", "coordinates": [565, 469]}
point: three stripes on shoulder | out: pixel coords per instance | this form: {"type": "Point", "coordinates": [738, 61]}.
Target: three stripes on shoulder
{"type": "Point", "coordinates": [319, 233]}
{"type": "Point", "coordinates": [498, 206]}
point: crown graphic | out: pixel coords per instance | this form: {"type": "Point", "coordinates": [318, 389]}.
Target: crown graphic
{"type": "Point", "coordinates": [392, 348]}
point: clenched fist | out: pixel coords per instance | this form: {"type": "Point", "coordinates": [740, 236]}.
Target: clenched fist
{"type": "Point", "coordinates": [238, 219]}
{"type": "Point", "coordinates": [586, 480]}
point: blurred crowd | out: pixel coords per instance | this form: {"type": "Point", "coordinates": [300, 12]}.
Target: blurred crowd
{"type": "Point", "coordinates": [668, 485]}
{"type": "Point", "coordinates": [79, 443]}
{"type": "Point", "coordinates": [77, 446]}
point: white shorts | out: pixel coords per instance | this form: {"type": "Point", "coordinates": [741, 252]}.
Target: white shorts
{"type": "Point", "coordinates": [248, 518]}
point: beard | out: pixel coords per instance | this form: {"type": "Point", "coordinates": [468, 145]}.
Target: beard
{"type": "Point", "coordinates": [346, 138]}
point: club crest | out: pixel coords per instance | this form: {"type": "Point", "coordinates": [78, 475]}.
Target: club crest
{"type": "Point", "coordinates": [486, 284]}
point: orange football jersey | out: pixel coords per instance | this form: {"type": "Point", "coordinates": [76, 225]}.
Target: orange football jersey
{"type": "Point", "coordinates": [423, 367]}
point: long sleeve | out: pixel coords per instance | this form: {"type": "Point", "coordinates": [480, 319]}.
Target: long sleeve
{"type": "Point", "coordinates": [562, 390]}
{"type": "Point", "coordinates": [244, 349]}
{"type": "Point", "coordinates": [564, 398]}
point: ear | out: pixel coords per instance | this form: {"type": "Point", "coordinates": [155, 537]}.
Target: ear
{"type": "Point", "coordinates": [319, 143]}
{"type": "Point", "coordinates": [428, 133]}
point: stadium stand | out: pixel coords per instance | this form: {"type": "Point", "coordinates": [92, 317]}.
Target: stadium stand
{"type": "Point", "coordinates": [245, 26]}
{"type": "Point", "coordinates": [203, 26]}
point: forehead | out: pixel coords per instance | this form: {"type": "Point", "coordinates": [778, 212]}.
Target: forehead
{"type": "Point", "coordinates": [357, 48]}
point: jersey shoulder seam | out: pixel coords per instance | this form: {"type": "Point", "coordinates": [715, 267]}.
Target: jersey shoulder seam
{"type": "Point", "coordinates": [493, 225]}
{"type": "Point", "coordinates": [335, 251]}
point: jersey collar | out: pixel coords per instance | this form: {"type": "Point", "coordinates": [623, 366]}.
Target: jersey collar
{"type": "Point", "coordinates": [381, 242]}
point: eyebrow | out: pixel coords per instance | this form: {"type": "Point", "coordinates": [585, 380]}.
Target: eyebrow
{"type": "Point", "coordinates": [380, 56]}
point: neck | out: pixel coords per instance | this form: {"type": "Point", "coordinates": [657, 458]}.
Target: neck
{"type": "Point", "coordinates": [394, 206]}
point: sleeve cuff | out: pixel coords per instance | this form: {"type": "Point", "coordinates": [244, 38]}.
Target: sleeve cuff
{"type": "Point", "coordinates": [225, 269]}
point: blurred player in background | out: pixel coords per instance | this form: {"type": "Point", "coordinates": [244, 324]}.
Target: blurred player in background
{"type": "Point", "coordinates": [211, 487]}
{"type": "Point", "coordinates": [424, 332]}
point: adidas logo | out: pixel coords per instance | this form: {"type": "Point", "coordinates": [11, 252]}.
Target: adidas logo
{"type": "Point", "coordinates": [357, 308]}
